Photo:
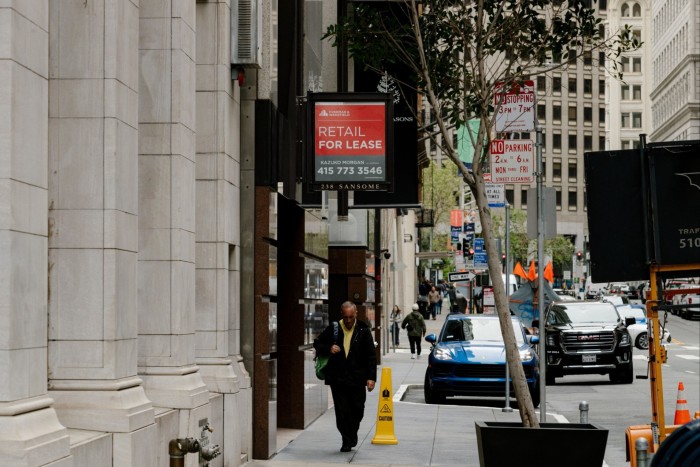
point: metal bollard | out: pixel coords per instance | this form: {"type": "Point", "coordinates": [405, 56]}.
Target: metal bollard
{"type": "Point", "coordinates": [583, 408]}
{"type": "Point", "coordinates": [642, 448]}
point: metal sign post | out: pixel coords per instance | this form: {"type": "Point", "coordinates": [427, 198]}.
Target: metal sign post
{"type": "Point", "coordinates": [507, 408]}
{"type": "Point", "coordinates": [540, 279]}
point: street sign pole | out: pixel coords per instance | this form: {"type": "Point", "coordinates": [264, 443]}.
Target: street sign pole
{"type": "Point", "coordinates": [540, 278]}
{"type": "Point", "coordinates": [507, 408]}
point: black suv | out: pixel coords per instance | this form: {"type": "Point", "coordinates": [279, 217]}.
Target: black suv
{"type": "Point", "coordinates": [587, 338]}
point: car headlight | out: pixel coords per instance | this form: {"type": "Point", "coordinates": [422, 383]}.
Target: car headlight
{"type": "Point", "coordinates": [526, 355]}
{"type": "Point", "coordinates": [442, 354]}
{"type": "Point", "coordinates": [625, 339]}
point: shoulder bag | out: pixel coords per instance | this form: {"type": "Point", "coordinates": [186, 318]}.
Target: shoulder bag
{"type": "Point", "coordinates": [322, 360]}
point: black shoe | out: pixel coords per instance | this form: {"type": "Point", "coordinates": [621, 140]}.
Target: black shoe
{"type": "Point", "coordinates": [345, 448]}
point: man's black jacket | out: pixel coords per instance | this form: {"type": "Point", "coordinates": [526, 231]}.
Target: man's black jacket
{"type": "Point", "coordinates": [361, 362]}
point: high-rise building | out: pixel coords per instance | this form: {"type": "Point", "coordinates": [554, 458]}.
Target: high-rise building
{"type": "Point", "coordinates": [675, 97]}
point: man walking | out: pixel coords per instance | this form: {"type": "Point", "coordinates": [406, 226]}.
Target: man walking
{"type": "Point", "coordinates": [351, 368]}
{"type": "Point", "coordinates": [415, 325]}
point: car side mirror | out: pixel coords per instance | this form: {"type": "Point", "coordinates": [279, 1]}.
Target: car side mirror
{"type": "Point", "coordinates": [431, 338]}
{"type": "Point", "coordinates": [629, 320]}
{"type": "Point", "coordinates": [535, 323]}
{"type": "Point", "coordinates": [533, 339]}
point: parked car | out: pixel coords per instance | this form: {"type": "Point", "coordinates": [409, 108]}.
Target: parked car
{"type": "Point", "coordinates": [639, 330]}
{"type": "Point", "coordinates": [467, 358]}
{"type": "Point", "coordinates": [690, 312]}
{"type": "Point", "coordinates": [587, 338]}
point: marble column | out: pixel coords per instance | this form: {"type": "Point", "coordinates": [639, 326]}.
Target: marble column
{"type": "Point", "coordinates": [30, 433]}
{"type": "Point", "coordinates": [166, 222]}
{"type": "Point", "coordinates": [217, 252]}
{"type": "Point", "coordinates": [93, 241]}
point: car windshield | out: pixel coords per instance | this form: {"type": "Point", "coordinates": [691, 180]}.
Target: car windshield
{"type": "Point", "coordinates": [468, 329]}
{"type": "Point", "coordinates": [590, 313]}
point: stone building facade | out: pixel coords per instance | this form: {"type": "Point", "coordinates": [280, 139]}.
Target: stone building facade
{"type": "Point", "coordinates": [119, 233]}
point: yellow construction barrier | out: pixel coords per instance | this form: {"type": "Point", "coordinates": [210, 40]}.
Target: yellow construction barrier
{"type": "Point", "coordinates": [385, 412]}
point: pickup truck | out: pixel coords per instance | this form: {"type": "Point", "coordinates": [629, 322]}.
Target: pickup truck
{"type": "Point", "coordinates": [692, 298]}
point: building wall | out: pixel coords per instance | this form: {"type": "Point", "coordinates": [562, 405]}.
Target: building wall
{"type": "Point", "coordinates": [676, 61]}
{"type": "Point", "coordinates": [119, 233]}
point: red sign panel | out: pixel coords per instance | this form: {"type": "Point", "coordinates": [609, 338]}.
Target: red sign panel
{"type": "Point", "coordinates": [351, 142]}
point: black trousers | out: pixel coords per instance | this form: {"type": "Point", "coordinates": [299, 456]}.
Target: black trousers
{"type": "Point", "coordinates": [415, 344]}
{"type": "Point", "coordinates": [349, 402]}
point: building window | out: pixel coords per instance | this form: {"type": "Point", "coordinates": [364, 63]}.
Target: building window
{"type": "Point", "coordinates": [603, 4]}
{"type": "Point", "coordinates": [509, 194]}
{"type": "Point", "coordinates": [556, 142]}
{"type": "Point", "coordinates": [556, 112]}
{"type": "Point", "coordinates": [587, 142]}
{"type": "Point", "coordinates": [556, 84]}
{"type": "Point", "coordinates": [636, 10]}
{"type": "Point", "coordinates": [636, 119]}
{"type": "Point", "coordinates": [541, 83]}
{"type": "Point", "coordinates": [601, 87]}
{"type": "Point", "coordinates": [601, 143]}
{"type": "Point", "coordinates": [625, 144]}
{"type": "Point", "coordinates": [587, 86]}
{"type": "Point", "coordinates": [637, 34]}
{"type": "Point", "coordinates": [587, 115]}
{"type": "Point", "coordinates": [636, 144]}
{"type": "Point", "coordinates": [588, 58]}
{"type": "Point", "coordinates": [572, 201]}
{"type": "Point", "coordinates": [556, 170]}
{"type": "Point", "coordinates": [558, 188]}
{"type": "Point", "coordinates": [625, 63]}
{"type": "Point", "coordinates": [541, 112]}
{"type": "Point", "coordinates": [572, 85]}
{"type": "Point", "coordinates": [637, 64]}
{"type": "Point", "coordinates": [573, 173]}
{"type": "Point", "coordinates": [601, 116]}
{"type": "Point", "coordinates": [572, 142]}
{"type": "Point", "coordinates": [544, 169]}
{"type": "Point", "coordinates": [625, 92]}
{"type": "Point", "coordinates": [523, 198]}
{"type": "Point", "coordinates": [625, 120]}
{"type": "Point", "coordinates": [625, 10]}
{"type": "Point", "coordinates": [637, 92]}
{"type": "Point", "coordinates": [572, 115]}
{"type": "Point", "coordinates": [572, 57]}
{"type": "Point", "coordinates": [601, 58]}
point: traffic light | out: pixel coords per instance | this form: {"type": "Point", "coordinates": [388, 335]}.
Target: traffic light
{"type": "Point", "coordinates": [579, 256]}
{"type": "Point", "coordinates": [470, 254]}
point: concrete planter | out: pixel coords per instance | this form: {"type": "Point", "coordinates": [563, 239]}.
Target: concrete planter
{"type": "Point", "coordinates": [553, 444]}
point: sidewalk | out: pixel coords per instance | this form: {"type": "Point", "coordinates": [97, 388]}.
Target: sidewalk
{"type": "Point", "coordinates": [428, 435]}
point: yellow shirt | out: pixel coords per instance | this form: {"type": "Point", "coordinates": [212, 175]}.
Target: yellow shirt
{"type": "Point", "coordinates": [347, 336]}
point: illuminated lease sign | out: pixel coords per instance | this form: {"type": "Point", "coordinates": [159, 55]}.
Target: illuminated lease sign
{"type": "Point", "coordinates": [512, 161]}
{"type": "Point", "coordinates": [350, 144]}
{"type": "Point", "coordinates": [515, 107]}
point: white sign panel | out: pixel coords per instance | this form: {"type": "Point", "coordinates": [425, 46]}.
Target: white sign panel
{"type": "Point", "coordinates": [496, 195]}
{"type": "Point", "coordinates": [512, 161]}
{"type": "Point", "coordinates": [515, 107]}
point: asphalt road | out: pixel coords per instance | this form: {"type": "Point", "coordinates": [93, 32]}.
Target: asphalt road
{"type": "Point", "coordinates": [617, 406]}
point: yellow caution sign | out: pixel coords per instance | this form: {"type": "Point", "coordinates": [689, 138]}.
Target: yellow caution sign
{"type": "Point", "coordinates": [385, 412]}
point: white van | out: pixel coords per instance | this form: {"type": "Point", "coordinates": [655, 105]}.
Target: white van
{"type": "Point", "coordinates": [595, 289]}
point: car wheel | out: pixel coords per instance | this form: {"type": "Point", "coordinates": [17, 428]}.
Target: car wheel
{"type": "Point", "coordinates": [623, 374]}
{"type": "Point", "coordinates": [550, 379]}
{"type": "Point", "coordinates": [642, 341]}
{"type": "Point", "coordinates": [431, 395]}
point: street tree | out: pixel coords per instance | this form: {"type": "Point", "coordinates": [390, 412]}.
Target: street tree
{"type": "Point", "coordinates": [460, 51]}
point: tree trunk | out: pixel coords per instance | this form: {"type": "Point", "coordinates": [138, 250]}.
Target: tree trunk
{"type": "Point", "coordinates": [522, 394]}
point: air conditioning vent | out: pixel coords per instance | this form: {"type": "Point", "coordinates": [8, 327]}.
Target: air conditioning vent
{"type": "Point", "coordinates": [246, 23]}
